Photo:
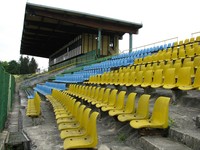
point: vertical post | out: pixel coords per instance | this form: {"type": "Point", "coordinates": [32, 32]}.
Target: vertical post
{"type": "Point", "coordinates": [99, 43]}
{"type": "Point", "coordinates": [130, 42]}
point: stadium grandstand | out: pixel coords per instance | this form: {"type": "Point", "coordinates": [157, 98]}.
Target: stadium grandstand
{"type": "Point", "coordinates": [96, 97]}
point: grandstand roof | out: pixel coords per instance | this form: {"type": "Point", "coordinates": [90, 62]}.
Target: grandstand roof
{"type": "Point", "coordinates": [47, 29]}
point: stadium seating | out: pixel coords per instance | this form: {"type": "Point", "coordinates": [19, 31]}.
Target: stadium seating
{"type": "Point", "coordinates": [79, 132]}
{"type": "Point", "coordinates": [59, 86]}
{"type": "Point", "coordinates": [42, 89]}
{"type": "Point", "coordinates": [159, 118]}
{"type": "Point", "coordinates": [33, 106]}
{"type": "Point", "coordinates": [142, 111]}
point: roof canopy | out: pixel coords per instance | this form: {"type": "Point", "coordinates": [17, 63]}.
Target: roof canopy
{"type": "Point", "coordinates": [47, 29]}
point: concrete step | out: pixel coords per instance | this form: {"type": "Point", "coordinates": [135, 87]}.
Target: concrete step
{"type": "Point", "coordinates": [189, 137]}
{"type": "Point", "coordinates": [160, 143]}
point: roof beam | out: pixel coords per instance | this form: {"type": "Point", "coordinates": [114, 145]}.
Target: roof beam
{"type": "Point", "coordinates": [88, 22]}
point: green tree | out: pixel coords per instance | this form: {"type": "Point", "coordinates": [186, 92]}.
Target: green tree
{"type": "Point", "coordinates": [13, 67]}
{"type": "Point", "coordinates": [4, 64]}
{"type": "Point", "coordinates": [32, 65]}
{"type": "Point", "coordinates": [24, 65]}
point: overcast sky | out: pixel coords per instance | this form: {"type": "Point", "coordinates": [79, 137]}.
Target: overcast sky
{"type": "Point", "coordinates": [161, 19]}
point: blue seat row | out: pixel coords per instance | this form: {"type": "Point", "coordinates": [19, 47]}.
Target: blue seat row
{"type": "Point", "coordinates": [58, 86]}
{"type": "Point", "coordinates": [70, 78]}
{"type": "Point", "coordinates": [143, 52]}
{"type": "Point", "coordinates": [43, 89]}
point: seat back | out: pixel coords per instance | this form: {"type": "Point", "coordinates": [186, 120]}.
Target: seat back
{"type": "Point", "coordinates": [130, 103]}
{"type": "Point", "coordinates": [184, 76]}
{"type": "Point", "coordinates": [174, 54]}
{"type": "Point", "coordinates": [197, 61]}
{"type": "Point", "coordinates": [189, 51]}
{"type": "Point", "coordinates": [148, 75]}
{"type": "Point", "coordinates": [160, 112]}
{"type": "Point", "coordinates": [121, 78]}
{"type": "Point", "coordinates": [96, 93]}
{"type": "Point", "coordinates": [85, 119]}
{"type": "Point", "coordinates": [76, 108]}
{"type": "Point", "coordinates": [37, 102]}
{"type": "Point", "coordinates": [143, 106]}
{"type": "Point", "coordinates": [139, 78]}
{"type": "Point", "coordinates": [120, 100]}
{"type": "Point", "coordinates": [191, 65]}
{"type": "Point", "coordinates": [112, 97]}
{"type": "Point", "coordinates": [106, 96]}
{"type": "Point", "coordinates": [181, 52]}
{"type": "Point", "coordinates": [196, 82]}
{"type": "Point", "coordinates": [92, 92]}
{"type": "Point", "coordinates": [100, 95]}
{"type": "Point", "coordinates": [131, 78]}
{"type": "Point", "coordinates": [92, 127]}
{"type": "Point", "coordinates": [158, 77]}
{"type": "Point", "coordinates": [80, 113]}
{"type": "Point", "coordinates": [169, 76]}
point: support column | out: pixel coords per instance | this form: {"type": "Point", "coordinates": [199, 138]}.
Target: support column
{"type": "Point", "coordinates": [99, 43]}
{"type": "Point", "coordinates": [130, 42]}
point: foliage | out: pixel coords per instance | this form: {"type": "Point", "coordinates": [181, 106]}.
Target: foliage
{"type": "Point", "coordinates": [23, 66]}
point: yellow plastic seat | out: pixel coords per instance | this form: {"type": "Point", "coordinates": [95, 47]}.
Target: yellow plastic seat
{"type": "Point", "coordinates": [111, 100]}
{"type": "Point", "coordinates": [142, 67]}
{"type": "Point", "coordinates": [180, 43]}
{"type": "Point", "coordinates": [139, 79]}
{"type": "Point", "coordinates": [99, 98]}
{"type": "Point", "coordinates": [118, 104]}
{"type": "Point", "coordinates": [89, 140]}
{"type": "Point", "coordinates": [184, 77]}
{"type": "Point", "coordinates": [175, 44]}
{"type": "Point", "coordinates": [79, 131]}
{"type": "Point", "coordinates": [67, 114]}
{"type": "Point", "coordinates": [157, 79]}
{"type": "Point", "coordinates": [115, 78]}
{"type": "Point", "coordinates": [104, 100]}
{"type": "Point", "coordinates": [196, 82]}
{"type": "Point", "coordinates": [196, 61]}
{"type": "Point", "coordinates": [130, 78]}
{"type": "Point", "coordinates": [174, 55]}
{"type": "Point", "coordinates": [64, 126]}
{"type": "Point", "coordinates": [142, 111]}
{"type": "Point", "coordinates": [165, 67]}
{"type": "Point", "coordinates": [148, 75]}
{"type": "Point", "coordinates": [121, 79]}
{"type": "Point", "coordinates": [191, 40]}
{"type": "Point", "coordinates": [90, 94]}
{"type": "Point", "coordinates": [191, 65]}
{"type": "Point", "coordinates": [110, 77]}
{"type": "Point", "coordinates": [105, 78]}
{"type": "Point", "coordinates": [159, 118]}
{"type": "Point", "coordinates": [181, 53]}
{"type": "Point", "coordinates": [129, 108]}
{"type": "Point", "coordinates": [94, 96]}
{"type": "Point", "coordinates": [186, 41]}
{"type": "Point", "coordinates": [73, 110]}
{"type": "Point", "coordinates": [189, 51]}
{"type": "Point", "coordinates": [149, 67]}
{"type": "Point", "coordinates": [33, 107]}
{"type": "Point", "coordinates": [197, 49]}
{"type": "Point", "coordinates": [177, 66]}
{"type": "Point", "coordinates": [169, 79]}
{"type": "Point", "coordinates": [168, 54]}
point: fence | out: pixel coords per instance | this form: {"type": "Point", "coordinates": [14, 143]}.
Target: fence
{"type": "Point", "coordinates": [7, 89]}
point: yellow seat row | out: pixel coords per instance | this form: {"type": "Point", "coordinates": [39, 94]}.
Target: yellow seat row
{"type": "Point", "coordinates": [76, 123]}
{"type": "Point", "coordinates": [114, 102]}
{"type": "Point", "coordinates": [169, 54]}
{"type": "Point", "coordinates": [183, 78]}
{"type": "Point", "coordinates": [33, 107]}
